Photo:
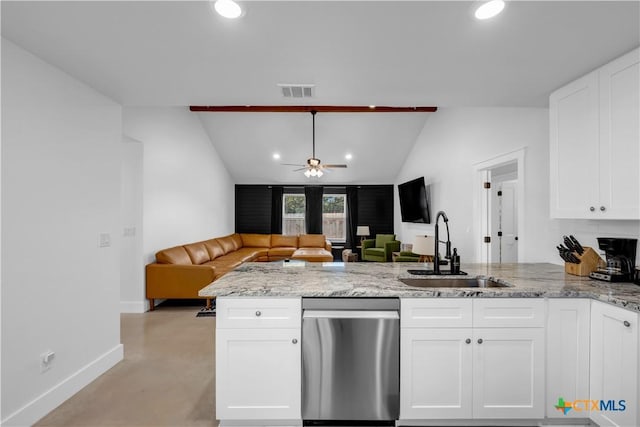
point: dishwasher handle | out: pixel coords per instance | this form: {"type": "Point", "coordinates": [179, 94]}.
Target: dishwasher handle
{"type": "Point", "coordinates": [350, 314]}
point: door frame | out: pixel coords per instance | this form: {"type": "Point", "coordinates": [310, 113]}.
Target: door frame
{"type": "Point", "coordinates": [482, 172]}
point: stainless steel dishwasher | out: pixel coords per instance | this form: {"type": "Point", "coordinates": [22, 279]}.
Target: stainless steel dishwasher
{"type": "Point", "coordinates": [350, 359]}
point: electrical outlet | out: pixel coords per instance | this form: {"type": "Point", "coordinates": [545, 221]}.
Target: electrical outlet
{"type": "Point", "coordinates": [104, 240]}
{"type": "Point", "coordinates": [46, 360]}
{"type": "Point", "coordinates": [129, 232]}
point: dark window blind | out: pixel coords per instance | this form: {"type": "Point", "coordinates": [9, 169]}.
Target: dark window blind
{"type": "Point", "coordinates": [375, 208]}
{"type": "Point", "coordinates": [253, 209]}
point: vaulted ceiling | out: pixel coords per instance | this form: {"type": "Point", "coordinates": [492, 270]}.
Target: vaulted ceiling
{"type": "Point", "coordinates": [399, 53]}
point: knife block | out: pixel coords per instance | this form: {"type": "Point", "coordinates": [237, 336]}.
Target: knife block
{"type": "Point", "coordinates": [589, 261]}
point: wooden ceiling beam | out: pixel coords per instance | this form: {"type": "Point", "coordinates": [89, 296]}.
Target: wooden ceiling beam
{"type": "Point", "coordinates": [309, 108]}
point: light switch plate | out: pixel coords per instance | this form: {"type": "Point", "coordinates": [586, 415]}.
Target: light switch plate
{"type": "Point", "coordinates": [104, 240]}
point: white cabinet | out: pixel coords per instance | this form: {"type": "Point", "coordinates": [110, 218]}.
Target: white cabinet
{"type": "Point", "coordinates": [492, 371]}
{"type": "Point", "coordinates": [568, 331]}
{"type": "Point", "coordinates": [595, 143]}
{"type": "Point", "coordinates": [258, 359]}
{"type": "Point", "coordinates": [508, 373]}
{"type": "Point", "coordinates": [614, 365]}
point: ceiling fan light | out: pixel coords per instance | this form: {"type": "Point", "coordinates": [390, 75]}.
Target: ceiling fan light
{"type": "Point", "coordinates": [489, 9]}
{"type": "Point", "coordinates": [228, 9]}
{"type": "Point", "coordinates": [314, 172]}
{"type": "Point", "coordinates": [307, 173]}
{"type": "Point", "coordinates": [319, 173]}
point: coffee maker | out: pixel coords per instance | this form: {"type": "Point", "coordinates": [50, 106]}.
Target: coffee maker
{"type": "Point", "coordinates": [621, 259]}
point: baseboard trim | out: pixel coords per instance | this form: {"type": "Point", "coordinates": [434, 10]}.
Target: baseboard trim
{"type": "Point", "coordinates": [30, 413]}
{"type": "Point", "coordinates": [134, 306]}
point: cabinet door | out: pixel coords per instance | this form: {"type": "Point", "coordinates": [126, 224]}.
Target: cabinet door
{"type": "Point", "coordinates": [435, 373]}
{"type": "Point", "coordinates": [620, 138]}
{"type": "Point", "coordinates": [614, 364]}
{"type": "Point", "coordinates": [573, 125]}
{"type": "Point", "coordinates": [258, 374]}
{"type": "Point", "coordinates": [568, 331]}
{"type": "Point", "coordinates": [508, 373]}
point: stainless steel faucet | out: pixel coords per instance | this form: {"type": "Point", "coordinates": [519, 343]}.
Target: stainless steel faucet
{"type": "Point", "coordinates": [436, 256]}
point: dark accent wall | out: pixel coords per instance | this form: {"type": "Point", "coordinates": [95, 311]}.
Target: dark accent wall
{"type": "Point", "coordinates": [253, 207]}
{"type": "Point", "coordinates": [375, 208]}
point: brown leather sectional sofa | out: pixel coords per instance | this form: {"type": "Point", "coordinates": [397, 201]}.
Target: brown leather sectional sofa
{"type": "Point", "coordinates": [181, 271]}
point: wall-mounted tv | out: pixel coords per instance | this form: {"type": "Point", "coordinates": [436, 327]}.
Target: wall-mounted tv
{"type": "Point", "coordinates": [414, 201]}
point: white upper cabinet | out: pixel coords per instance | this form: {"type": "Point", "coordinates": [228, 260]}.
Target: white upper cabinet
{"type": "Point", "coordinates": [620, 137]}
{"type": "Point", "coordinates": [595, 143]}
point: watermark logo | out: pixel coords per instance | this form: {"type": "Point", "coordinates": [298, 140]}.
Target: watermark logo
{"type": "Point", "coordinates": [590, 405]}
{"type": "Point", "coordinates": [563, 406]}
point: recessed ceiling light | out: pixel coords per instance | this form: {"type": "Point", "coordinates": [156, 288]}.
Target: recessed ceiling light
{"type": "Point", "coordinates": [348, 156]}
{"type": "Point", "coordinates": [228, 9]}
{"type": "Point", "coordinates": [489, 9]}
{"type": "Point", "coordinates": [372, 106]}
{"type": "Point", "coordinates": [276, 156]}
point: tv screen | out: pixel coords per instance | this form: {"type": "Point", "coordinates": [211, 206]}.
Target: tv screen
{"type": "Point", "coordinates": [414, 201]}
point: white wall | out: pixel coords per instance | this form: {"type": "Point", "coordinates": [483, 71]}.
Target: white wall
{"type": "Point", "coordinates": [454, 139]}
{"type": "Point", "coordinates": [132, 295]}
{"type": "Point", "coordinates": [60, 189]}
{"type": "Point", "coordinates": [188, 193]}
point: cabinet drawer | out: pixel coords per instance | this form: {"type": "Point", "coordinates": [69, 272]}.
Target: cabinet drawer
{"type": "Point", "coordinates": [435, 313]}
{"type": "Point", "coordinates": [258, 313]}
{"type": "Point", "coordinates": [509, 313]}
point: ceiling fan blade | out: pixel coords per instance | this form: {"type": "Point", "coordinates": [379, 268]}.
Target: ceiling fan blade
{"type": "Point", "coordinates": [298, 170]}
{"type": "Point", "coordinates": [291, 164]}
{"type": "Point", "coordinates": [334, 166]}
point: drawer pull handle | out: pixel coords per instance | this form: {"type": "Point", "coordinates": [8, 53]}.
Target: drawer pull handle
{"type": "Point", "coordinates": [295, 341]}
{"type": "Point", "coordinates": [592, 209]}
{"type": "Point", "coordinates": [468, 340]}
{"type": "Point", "coordinates": [626, 323]}
{"type": "Point", "coordinates": [258, 313]}
{"type": "Point", "coordinates": [602, 208]}
{"type": "Point", "coordinates": [480, 341]}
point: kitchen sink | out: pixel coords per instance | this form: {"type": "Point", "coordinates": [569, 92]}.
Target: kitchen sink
{"type": "Point", "coordinates": [450, 282]}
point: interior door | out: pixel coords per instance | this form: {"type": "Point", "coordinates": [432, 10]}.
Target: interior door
{"type": "Point", "coordinates": [508, 208]}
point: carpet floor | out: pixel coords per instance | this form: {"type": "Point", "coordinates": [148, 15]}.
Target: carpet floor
{"type": "Point", "coordinates": [167, 377]}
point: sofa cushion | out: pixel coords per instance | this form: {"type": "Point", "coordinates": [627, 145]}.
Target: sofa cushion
{"type": "Point", "coordinates": [311, 241]}
{"type": "Point", "coordinates": [222, 267]}
{"type": "Point", "coordinates": [282, 252]}
{"type": "Point", "coordinates": [249, 254]}
{"type": "Point", "coordinates": [214, 248]}
{"type": "Point", "coordinates": [237, 240]}
{"type": "Point", "coordinates": [280, 241]}
{"type": "Point", "coordinates": [197, 252]}
{"type": "Point", "coordinates": [175, 255]}
{"type": "Point", "coordinates": [374, 251]}
{"type": "Point", "coordinates": [227, 244]}
{"type": "Point", "coordinates": [381, 239]}
{"type": "Point", "coordinates": [256, 240]}
{"type": "Point", "coordinates": [312, 255]}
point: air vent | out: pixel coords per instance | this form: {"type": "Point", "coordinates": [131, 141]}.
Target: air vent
{"type": "Point", "coordinates": [296, 90]}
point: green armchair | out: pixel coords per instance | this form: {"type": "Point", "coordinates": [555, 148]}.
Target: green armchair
{"type": "Point", "coordinates": [380, 248]}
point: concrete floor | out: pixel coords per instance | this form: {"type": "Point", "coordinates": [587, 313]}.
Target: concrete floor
{"type": "Point", "coordinates": [167, 377]}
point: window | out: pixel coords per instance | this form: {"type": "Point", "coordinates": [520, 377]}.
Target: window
{"type": "Point", "coordinates": [293, 214]}
{"type": "Point", "coordinates": [334, 216]}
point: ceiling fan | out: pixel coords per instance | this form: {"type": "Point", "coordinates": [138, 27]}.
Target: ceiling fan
{"type": "Point", "coordinates": [314, 167]}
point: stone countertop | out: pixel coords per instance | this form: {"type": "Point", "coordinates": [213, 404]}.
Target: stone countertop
{"type": "Point", "coordinates": [363, 279]}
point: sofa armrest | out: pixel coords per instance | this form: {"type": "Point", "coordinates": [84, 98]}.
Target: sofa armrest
{"type": "Point", "coordinates": [389, 247]}
{"type": "Point", "coordinates": [327, 245]}
{"type": "Point", "coordinates": [392, 246]}
{"type": "Point", "coordinates": [368, 243]}
{"type": "Point", "coordinates": [177, 281]}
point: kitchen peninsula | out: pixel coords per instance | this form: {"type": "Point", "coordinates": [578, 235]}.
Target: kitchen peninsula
{"type": "Point", "coordinates": [467, 355]}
